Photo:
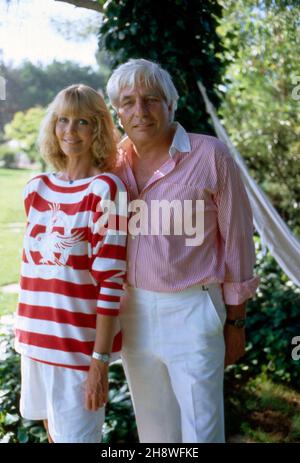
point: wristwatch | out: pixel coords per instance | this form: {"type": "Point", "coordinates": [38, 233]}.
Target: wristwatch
{"type": "Point", "coordinates": [105, 358]}
{"type": "Point", "coordinates": [238, 323]}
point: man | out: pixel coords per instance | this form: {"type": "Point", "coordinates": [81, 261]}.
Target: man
{"type": "Point", "coordinates": [173, 313]}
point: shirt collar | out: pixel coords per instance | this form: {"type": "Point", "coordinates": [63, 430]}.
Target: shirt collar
{"type": "Point", "coordinates": [180, 142]}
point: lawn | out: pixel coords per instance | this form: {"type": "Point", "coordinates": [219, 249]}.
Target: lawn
{"type": "Point", "coordinates": [12, 224]}
{"type": "Point", "coordinates": [12, 182]}
{"type": "Point", "coordinates": [261, 411]}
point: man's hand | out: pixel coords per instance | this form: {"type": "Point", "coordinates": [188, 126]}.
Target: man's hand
{"type": "Point", "coordinates": [96, 393]}
{"type": "Point", "coordinates": [235, 339]}
{"type": "Point", "coordinates": [234, 343]}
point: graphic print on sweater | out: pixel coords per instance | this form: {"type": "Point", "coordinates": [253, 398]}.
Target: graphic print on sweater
{"type": "Point", "coordinates": [52, 238]}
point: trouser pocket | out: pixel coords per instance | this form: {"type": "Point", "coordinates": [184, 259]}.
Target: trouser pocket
{"type": "Point", "coordinates": [217, 303]}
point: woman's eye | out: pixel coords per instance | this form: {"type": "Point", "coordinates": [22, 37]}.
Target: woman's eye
{"type": "Point", "coordinates": [62, 119]}
{"type": "Point", "coordinates": [83, 121]}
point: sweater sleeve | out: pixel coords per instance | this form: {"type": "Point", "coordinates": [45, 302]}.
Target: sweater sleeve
{"type": "Point", "coordinates": [108, 241]}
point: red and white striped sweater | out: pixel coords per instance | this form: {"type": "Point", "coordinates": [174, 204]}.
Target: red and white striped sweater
{"type": "Point", "coordinates": [73, 266]}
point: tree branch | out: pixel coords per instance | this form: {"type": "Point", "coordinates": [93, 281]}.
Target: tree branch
{"type": "Point", "coordinates": [89, 4]}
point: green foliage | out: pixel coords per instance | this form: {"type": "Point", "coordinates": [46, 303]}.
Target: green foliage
{"type": "Point", "coordinates": [261, 41]}
{"type": "Point", "coordinates": [261, 411]}
{"type": "Point", "coordinates": [180, 35]}
{"type": "Point", "coordinates": [30, 85]}
{"type": "Point", "coordinates": [296, 427]}
{"type": "Point", "coordinates": [13, 428]}
{"type": "Point", "coordinates": [7, 155]}
{"type": "Point", "coordinates": [120, 423]}
{"type": "Point", "coordinates": [273, 320]}
{"type": "Point", "coordinates": [24, 128]}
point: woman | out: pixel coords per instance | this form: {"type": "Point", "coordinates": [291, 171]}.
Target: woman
{"type": "Point", "coordinates": [72, 271]}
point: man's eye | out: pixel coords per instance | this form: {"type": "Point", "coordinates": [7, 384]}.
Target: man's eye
{"type": "Point", "coordinates": [126, 104]}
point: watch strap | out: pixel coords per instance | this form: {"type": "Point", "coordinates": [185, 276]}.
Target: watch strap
{"type": "Point", "coordinates": [105, 358]}
{"type": "Point", "coordinates": [238, 323]}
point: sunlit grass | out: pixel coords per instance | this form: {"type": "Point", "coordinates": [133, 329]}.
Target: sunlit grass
{"type": "Point", "coordinates": [12, 182]}
{"type": "Point", "coordinates": [266, 412]}
{"type": "Point", "coordinates": [295, 427]}
{"type": "Point", "coordinates": [12, 225]}
{"type": "Point", "coordinates": [8, 303]}
{"type": "Point", "coordinates": [276, 396]}
{"type": "Point", "coordinates": [10, 251]}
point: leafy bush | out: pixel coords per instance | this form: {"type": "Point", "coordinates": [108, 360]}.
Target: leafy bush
{"type": "Point", "coordinates": [273, 319]}
{"type": "Point", "coordinates": [120, 423]}
{"type": "Point", "coordinates": [181, 36]}
{"type": "Point", "coordinates": [259, 107]}
{"type": "Point", "coordinates": [7, 156]}
{"type": "Point", "coordinates": [13, 428]}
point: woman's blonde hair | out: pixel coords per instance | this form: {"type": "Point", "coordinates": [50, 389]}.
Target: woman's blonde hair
{"type": "Point", "coordinates": [79, 100]}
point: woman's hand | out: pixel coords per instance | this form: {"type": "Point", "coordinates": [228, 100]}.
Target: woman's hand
{"type": "Point", "coordinates": [96, 393]}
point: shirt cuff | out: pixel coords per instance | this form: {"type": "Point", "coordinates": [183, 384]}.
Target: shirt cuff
{"type": "Point", "coordinates": [237, 293]}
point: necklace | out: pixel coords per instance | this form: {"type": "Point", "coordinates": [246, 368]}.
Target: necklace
{"type": "Point", "coordinates": [66, 177]}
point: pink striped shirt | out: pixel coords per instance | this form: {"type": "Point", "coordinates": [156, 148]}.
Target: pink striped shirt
{"type": "Point", "coordinates": [200, 167]}
{"type": "Point", "coordinates": [72, 268]}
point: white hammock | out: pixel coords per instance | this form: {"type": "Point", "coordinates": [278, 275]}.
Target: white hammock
{"type": "Point", "coordinates": [274, 233]}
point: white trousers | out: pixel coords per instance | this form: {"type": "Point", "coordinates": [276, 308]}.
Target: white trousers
{"type": "Point", "coordinates": [173, 356]}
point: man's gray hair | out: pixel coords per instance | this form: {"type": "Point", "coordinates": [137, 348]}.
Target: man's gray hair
{"type": "Point", "coordinates": [141, 71]}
